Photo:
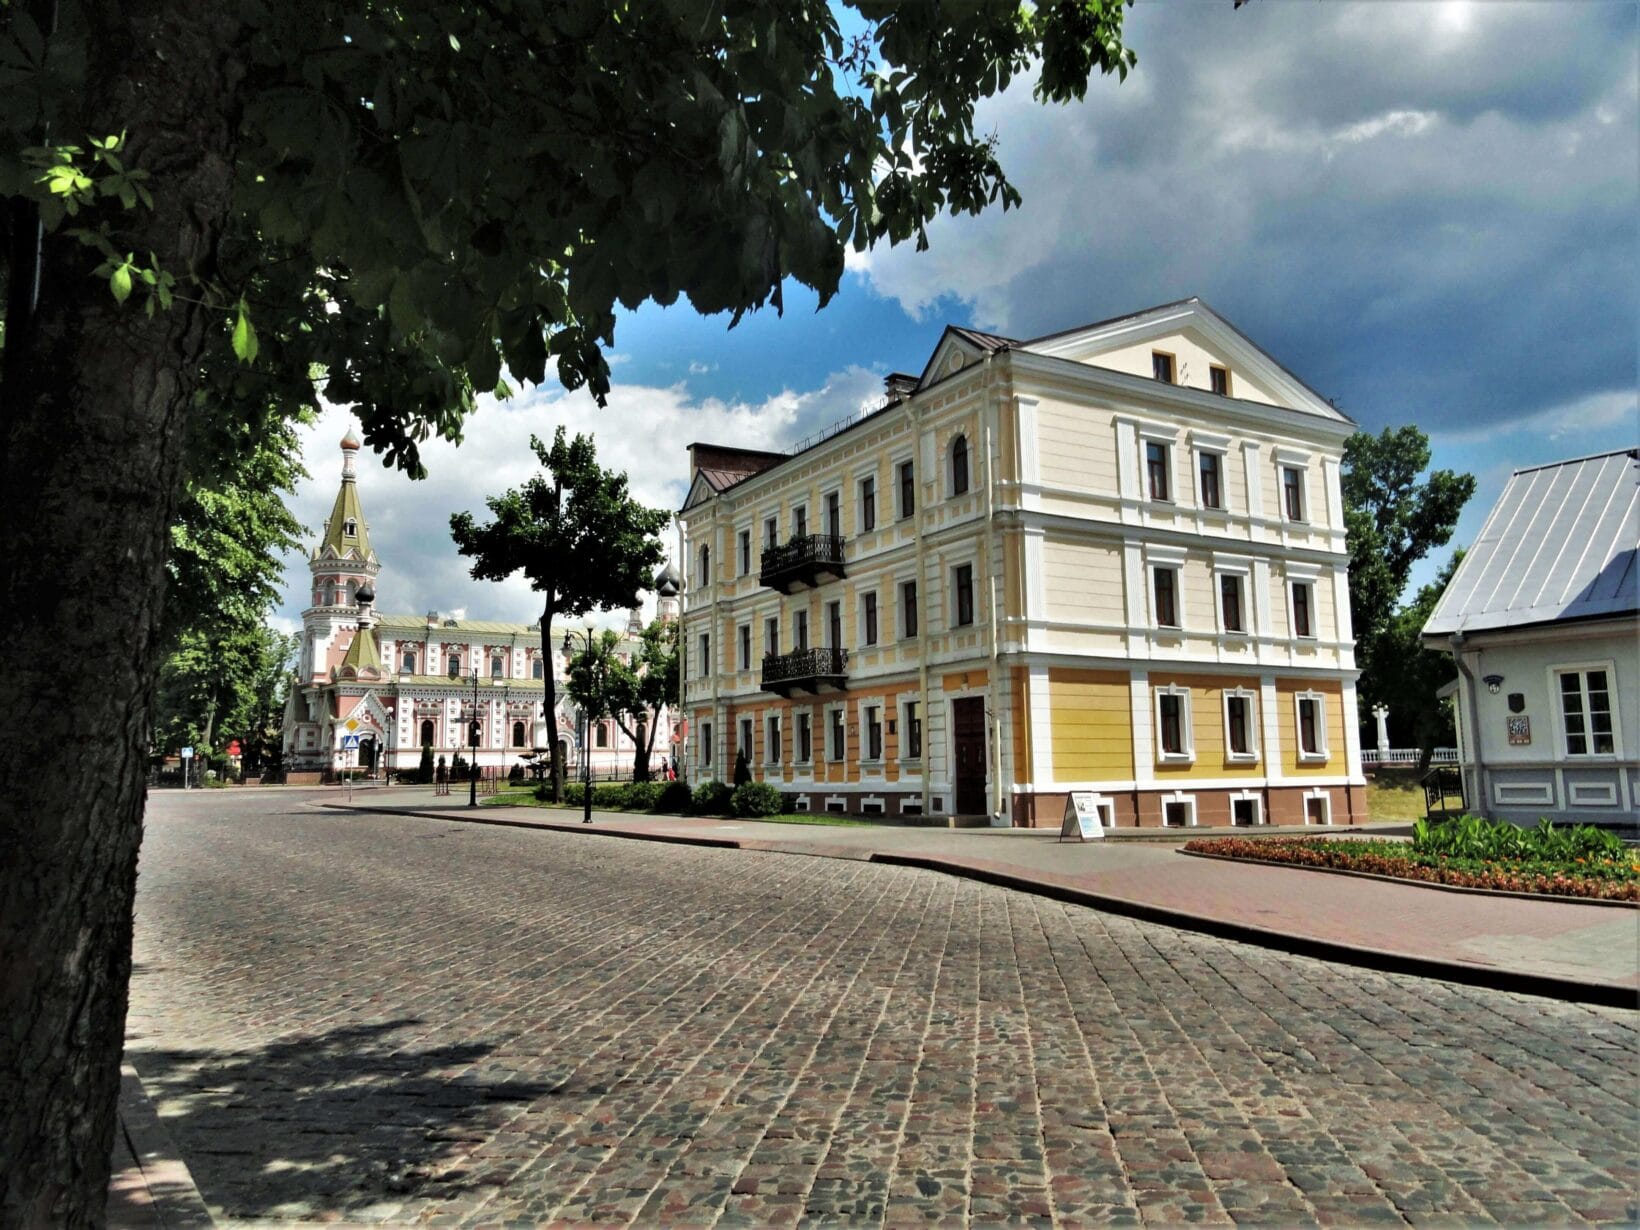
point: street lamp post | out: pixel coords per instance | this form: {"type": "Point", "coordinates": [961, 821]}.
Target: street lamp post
{"type": "Point", "coordinates": [472, 735]}
{"type": "Point", "coordinates": [586, 722]}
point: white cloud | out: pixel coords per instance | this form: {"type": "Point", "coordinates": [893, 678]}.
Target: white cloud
{"type": "Point", "coordinates": [644, 431]}
{"type": "Point", "coordinates": [1614, 411]}
{"type": "Point", "coordinates": [697, 368]}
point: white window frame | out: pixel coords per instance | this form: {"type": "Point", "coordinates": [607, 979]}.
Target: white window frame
{"type": "Point", "coordinates": [900, 608]}
{"type": "Point", "coordinates": [771, 739]}
{"type": "Point", "coordinates": [800, 624]}
{"type": "Point", "coordinates": [799, 519]}
{"type": "Point", "coordinates": [835, 629]}
{"type": "Point", "coordinates": [825, 510]}
{"type": "Point", "coordinates": [1180, 798]}
{"type": "Point", "coordinates": [860, 482]}
{"type": "Point", "coordinates": [703, 564]}
{"type": "Point", "coordinates": [743, 548]}
{"type": "Point", "coordinates": [1251, 755]}
{"type": "Point", "coordinates": [1244, 585]}
{"type": "Point", "coordinates": [877, 618]}
{"type": "Point", "coordinates": [902, 513]}
{"type": "Point", "coordinates": [705, 643]}
{"type": "Point", "coordinates": [825, 733]}
{"type": "Point", "coordinates": [974, 596]}
{"type": "Point", "coordinates": [1177, 570]}
{"type": "Point", "coordinates": [865, 708]}
{"type": "Point", "coordinates": [771, 645]}
{"type": "Point", "coordinates": [1247, 796]}
{"type": "Point", "coordinates": [1169, 441]}
{"type": "Point", "coordinates": [705, 756]}
{"type": "Point", "coordinates": [1293, 585]}
{"type": "Point", "coordinates": [951, 491]}
{"type": "Point", "coordinates": [1207, 444]}
{"type": "Point", "coordinates": [1321, 754]}
{"type": "Point", "coordinates": [906, 712]}
{"type": "Point", "coordinates": [1325, 799]}
{"type": "Point", "coordinates": [1583, 668]}
{"type": "Point", "coordinates": [798, 716]}
{"type": "Point", "coordinates": [746, 729]}
{"type": "Point", "coordinates": [771, 520]}
{"type": "Point", "coordinates": [1187, 752]}
{"type": "Point", "coordinates": [1292, 459]}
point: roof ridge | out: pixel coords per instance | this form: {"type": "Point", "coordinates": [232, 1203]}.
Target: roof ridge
{"type": "Point", "coordinates": [1633, 453]}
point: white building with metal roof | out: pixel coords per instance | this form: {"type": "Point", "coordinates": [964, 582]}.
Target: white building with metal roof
{"type": "Point", "coordinates": [1543, 620]}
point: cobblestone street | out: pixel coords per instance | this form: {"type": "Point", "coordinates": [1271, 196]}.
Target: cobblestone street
{"type": "Point", "coordinates": [405, 1020]}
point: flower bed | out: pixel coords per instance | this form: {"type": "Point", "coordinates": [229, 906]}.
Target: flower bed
{"type": "Point", "coordinates": [1612, 879]}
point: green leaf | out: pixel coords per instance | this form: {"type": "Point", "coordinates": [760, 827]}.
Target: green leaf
{"type": "Point", "coordinates": [245, 345]}
{"type": "Point", "coordinates": [120, 283]}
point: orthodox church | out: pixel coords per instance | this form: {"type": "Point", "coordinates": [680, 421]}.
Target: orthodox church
{"type": "Point", "coordinates": [401, 682]}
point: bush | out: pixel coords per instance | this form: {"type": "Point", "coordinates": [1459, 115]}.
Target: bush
{"type": "Point", "coordinates": [424, 771]}
{"type": "Point", "coordinates": [1472, 837]}
{"type": "Point", "coordinates": [675, 797]}
{"type": "Point", "coordinates": [515, 775]}
{"type": "Point", "coordinates": [711, 798]}
{"type": "Point", "coordinates": [641, 796]}
{"type": "Point", "coordinates": [755, 799]}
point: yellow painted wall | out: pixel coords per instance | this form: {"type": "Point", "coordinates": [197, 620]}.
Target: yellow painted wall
{"type": "Point", "coordinates": [961, 681]}
{"type": "Point", "coordinates": [1092, 736]}
{"type": "Point", "coordinates": [1287, 716]}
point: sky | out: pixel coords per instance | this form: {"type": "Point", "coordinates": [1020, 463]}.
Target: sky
{"type": "Point", "coordinates": [1429, 212]}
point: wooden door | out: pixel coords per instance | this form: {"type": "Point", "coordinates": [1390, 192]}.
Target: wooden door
{"type": "Point", "coordinates": [968, 754]}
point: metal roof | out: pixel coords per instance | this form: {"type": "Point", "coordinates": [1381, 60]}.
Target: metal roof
{"type": "Point", "coordinates": [1560, 544]}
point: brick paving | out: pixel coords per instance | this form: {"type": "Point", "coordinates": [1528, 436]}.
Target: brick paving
{"type": "Point", "coordinates": [415, 1022]}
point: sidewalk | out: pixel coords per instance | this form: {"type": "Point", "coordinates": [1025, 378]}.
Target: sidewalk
{"type": "Point", "coordinates": [1569, 950]}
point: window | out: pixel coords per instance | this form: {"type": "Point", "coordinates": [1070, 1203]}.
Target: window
{"type": "Point", "coordinates": [703, 566]}
{"type": "Point", "coordinates": [1218, 378]}
{"type": "Point", "coordinates": [1230, 602]}
{"type": "Point", "coordinates": [408, 663]}
{"type": "Point", "coordinates": [745, 647]}
{"type": "Point", "coordinates": [1318, 809]}
{"type": "Point", "coordinates": [908, 609]}
{"type": "Point", "coordinates": [705, 653]}
{"type": "Point", "coordinates": [1173, 723]}
{"type": "Point", "coordinates": [837, 742]}
{"type": "Point", "coordinates": [868, 505]}
{"type": "Point", "coordinates": [706, 744]}
{"type": "Point", "coordinates": [1238, 726]}
{"type": "Point", "coordinates": [1244, 811]}
{"type": "Point", "coordinates": [771, 740]}
{"type": "Point", "coordinates": [1178, 813]}
{"type": "Point", "coordinates": [1586, 712]}
{"type": "Point", "coordinates": [912, 722]}
{"type": "Point", "coordinates": [427, 732]}
{"type": "Point", "coordinates": [1211, 480]}
{"type": "Point", "coordinates": [537, 671]}
{"type": "Point", "coordinates": [744, 747]}
{"type": "Point", "coordinates": [350, 528]}
{"type": "Point", "coordinates": [834, 515]}
{"type": "Point", "coordinates": [1161, 366]}
{"type": "Point", "coordinates": [868, 614]}
{"type": "Point", "coordinates": [745, 546]}
{"type": "Point", "coordinates": [1312, 726]}
{"type": "Point", "coordinates": [962, 584]}
{"type": "Point", "coordinates": [874, 732]}
{"type": "Point", "coordinates": [454, 659]}
{"type": "Point", "coordinates": [1292, 492]}
{"type": "Point", "coordinates": [800, 521]}
{"type": "Point", "coordinates": [834, 625]}
{"type": "Point", "coordinates": [1166, 588]}
{"type": "Point", "coordinates": [771, 636]}
{"type": "Point", "coordinates": [518, 734]}
{"type": "Point", "coordinates": [959, 466]}
{"type": "Point", "coordinates": [908, 490]}
{"type": "Point", "coordinates": [1156, 469]}
{"type": "Point", "coordinates": [328, 598]}
{"type": "Point", "coordinates": [805, 748]}
{"type": "Point", "coordinates": [1303, 624]}
{"type": "Point", "coordinates": [771, 533]}
{"type": "Point", "coordinates": [495, 668]}
{"type": "Point", "coordinates": [600, 734]}
{"type": "Point", "coordinates": [800, 631]}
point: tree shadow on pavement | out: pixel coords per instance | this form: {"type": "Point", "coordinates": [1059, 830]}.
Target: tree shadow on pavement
{"type": "Point", "coordinates": [338, 1121]}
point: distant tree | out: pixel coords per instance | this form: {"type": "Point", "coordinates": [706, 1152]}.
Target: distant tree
{"type": "Point", "coordinates": [634, 693]}
{"type": "Point", "coordinates": [584, 543]}
{"type": "Point", "coordinates": [1393, 516]}
{"type": "Point", "coordinates": [1410, 673]}
{"type": "Point", "coordinates": [424, 770]}
{"type": "Point", "coordinates": [224, 682]}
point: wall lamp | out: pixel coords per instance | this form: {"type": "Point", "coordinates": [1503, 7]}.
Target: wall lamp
{"type": "Point", "coordinates": [1493, 683]}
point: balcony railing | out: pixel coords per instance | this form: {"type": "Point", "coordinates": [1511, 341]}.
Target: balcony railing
{"type": "Point", "coordinates": [803, 559]}
{"type": "Point", "coordinates": [806, 670]}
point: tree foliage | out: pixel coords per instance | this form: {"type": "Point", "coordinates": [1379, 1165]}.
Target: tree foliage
{"type": "Point", "coordinates": [633, 690]}
{"type": "Point", "coordinates": [1394, 515]}
{"type": "Point", "coordinates": [1409, 673]}
{"type": "Point", "coordinates": [225, 682]}
{"type": "Point", "coordinates": [578, 535]}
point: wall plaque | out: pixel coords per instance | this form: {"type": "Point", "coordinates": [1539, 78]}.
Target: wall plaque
{"type": "Point", "coordinates": [1520, 731]}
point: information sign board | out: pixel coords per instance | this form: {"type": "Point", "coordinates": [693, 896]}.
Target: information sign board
{"type": "Point", "coordinates": [1081, 818]}
{"type": "Point", "coordinates": [187, 753]}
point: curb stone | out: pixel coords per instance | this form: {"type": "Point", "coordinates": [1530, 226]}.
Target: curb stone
{"type": "Point", "coordinates": [162, 1191]}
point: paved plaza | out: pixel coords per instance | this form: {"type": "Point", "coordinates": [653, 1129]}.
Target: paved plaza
{"type": "Point", "coordinates": [408, 1020]}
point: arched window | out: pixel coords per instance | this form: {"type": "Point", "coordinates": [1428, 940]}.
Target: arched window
{"type": "Point", "coordinates": [455, 664]}
{"type": "Point", "coordinates": [601, 738]}
{"type": "Point", "coordinates": [495, 667]}
{"type": "Point", "coordinates": [350, 528]}
{"type": "Point", "coordinates": [409, 662]}
{"type": "Point", "coordinates": [330, 595]}
{"type": "Point", "coordinates": [427, 732]}
{"type": "Point", "coordinates": [704, 574]}
{"type": "Point", "coordinates": [535, 668]}
{"type": "Point", "coordinates": [518, 734]}
{"type": "Point", "coordinates": [959, 465]}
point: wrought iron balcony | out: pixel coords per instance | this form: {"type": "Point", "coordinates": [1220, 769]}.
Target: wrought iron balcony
{"type": "Point", "coordinates": [806, 670]}
{"type": "Point", "coordinates": [803, 559]}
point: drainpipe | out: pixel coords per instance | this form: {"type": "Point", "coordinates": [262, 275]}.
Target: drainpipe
{"type": "Point", "coordinates": [1458, 641]}
{"type": "Point", "coordinates": [922, 585]}
{"type": "Point", "coordinates": [682, 714]}
{"type": "Point", "coordinates": [987, 407]}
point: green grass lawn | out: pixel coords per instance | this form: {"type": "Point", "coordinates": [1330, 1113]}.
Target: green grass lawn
{"type": "Point", "coordinates": [1395, 795]}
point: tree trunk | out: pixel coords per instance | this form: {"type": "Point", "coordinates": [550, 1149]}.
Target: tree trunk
{"type": "Point", "coordinates": [93, 415]}
{"type": "Point", "coordinates": [550, 683]}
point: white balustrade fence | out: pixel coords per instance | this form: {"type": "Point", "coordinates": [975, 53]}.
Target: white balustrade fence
{"type": "Point", "coordinates": [1371, 756]}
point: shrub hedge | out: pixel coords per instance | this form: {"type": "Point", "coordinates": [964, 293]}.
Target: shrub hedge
{"type": "Point", "coordinates": [752, 799]}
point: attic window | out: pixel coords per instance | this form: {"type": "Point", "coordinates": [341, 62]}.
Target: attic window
{"type": "Point", "coordinates": [350, 528]}
{"type": "Point", "coordinates": [450, 623]}
{"type": "Point", "coordinates": [1219, 377]}
{"type": "Point", "coordinates": [1161, 366]}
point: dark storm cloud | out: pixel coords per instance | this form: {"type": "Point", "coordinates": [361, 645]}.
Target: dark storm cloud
{"type": "Point", "coordinates": [1431, 213]}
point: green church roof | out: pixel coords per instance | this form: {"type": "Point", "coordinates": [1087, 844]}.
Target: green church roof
{"type": "Point", "coordinates": [362, 652]}
{"type": "Point", "coordinates": [347, 510]}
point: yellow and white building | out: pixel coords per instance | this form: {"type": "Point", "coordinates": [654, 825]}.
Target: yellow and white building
{"type": "Point", "coordinates": [1109, 559]}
